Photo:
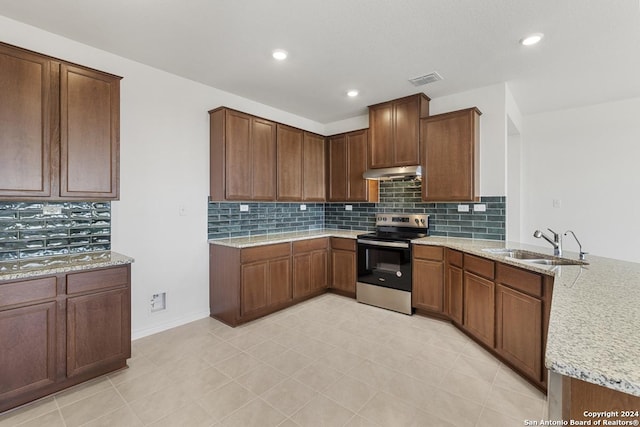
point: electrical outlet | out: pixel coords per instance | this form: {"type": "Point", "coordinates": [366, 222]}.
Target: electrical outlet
{"type": "Point", "coordinates": [480, 208]}
{"type": "Point", "coordinates": [463, 208]}
{"type": "Point", "coordinates": [51, 210]}
{"type": "Point", "coordinates": [158, 301]}
{"type": "Point", "coordinates": [557, 203]}
{"type": "Point", "coordinates": [244, 208]}
{"type": "Point", "coordinates": [303, 207]}
{"type": "Point", "coordinates": [348, 207]}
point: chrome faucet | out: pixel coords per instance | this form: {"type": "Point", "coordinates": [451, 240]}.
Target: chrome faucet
{"type": "Point", "coordinates": [582, 254]}
{"type": "Point", "coordinates": [556, 242]}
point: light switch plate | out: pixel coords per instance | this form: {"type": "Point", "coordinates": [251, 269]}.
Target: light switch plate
{"type": "Point", "coordinates": [463, 208]}
{"type": "Point", "coordinates": [348, 207]}
{"type": "Point", "coordinates": [480, 208]}
{"type": "Point", "coordinates": [244, 208]}
{"type": "Point", "coordinates": [303, 207]}
{"type": "Point", "coordinates": [51, 210]}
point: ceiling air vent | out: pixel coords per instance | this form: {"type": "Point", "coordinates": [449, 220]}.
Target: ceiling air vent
{"type": "Point", "coordinates": [427, 78]}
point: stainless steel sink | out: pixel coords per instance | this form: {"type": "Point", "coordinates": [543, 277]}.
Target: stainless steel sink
{"type": "Point", "coordinates": [534, 257]}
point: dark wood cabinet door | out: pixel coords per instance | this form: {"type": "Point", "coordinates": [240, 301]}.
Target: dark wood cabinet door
{"type": "Point", "coordinates": [319, 270]}
{"type": "Point", "coordinates": [519, 330]}
{"type": "Point", "coordinates": [289, 163]}
{"type": "Point", "coordinates": [98, 330]}
{"type": "Point", "coordinates": [89, 133]}
{"type": "Point", "coordinates": [357, 165]}
{"type": "Point", "coordinates": [301, 275]}
{"type": "Point", "coordinates": [479, 308]}
{"type": "Point", "coordinates": [381, 132]}
{"type": "Point", "coordinates": [314, 167]}
{"type": "Point", "coordinates": [26, 100]}
{"type": "Point", "coordinates": [337, 151]}
{"type": "Point", "coordinates": [263, 163]}
{"type": "Point", "coordinates": [238, 155]}
{"type": "Point", "coordinates": [343, 270]}
{"type": "Point", "coordinates": [406, 132]}
{"type": "Point", "coordinates": [279, 281]}
{"type": "Point", "coordinates": [254, 286]}
{"type": "Point", "coordinates": [28, 355]}
{"type": "Point", "coordinates": [451, 156]}
{"type": "Point", "coordinates": [428, 285]}
{"type": "Point", "coordinates": [454, 294]}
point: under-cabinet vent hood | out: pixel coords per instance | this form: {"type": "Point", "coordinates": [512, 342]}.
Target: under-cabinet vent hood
{"type": "Point", "coordinates": [397, 172]}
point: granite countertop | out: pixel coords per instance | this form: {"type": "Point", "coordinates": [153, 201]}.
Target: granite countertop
{"type": "Point", "coordinates": [23, 269]}
{"type": "Point", "coordinates": [593, 334]}
{"type": "Point", "coordinates": [269, 239]}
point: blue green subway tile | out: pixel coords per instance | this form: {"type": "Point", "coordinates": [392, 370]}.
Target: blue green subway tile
{"type": "Point", "coordinates": [8, 255]}
{"type": "Point", "coordinates": [8, 214]}
{"type": "Point", "coordinates": [7, 236]}
{"type": "Point", "coordinates": [473, 217]}
{"type": "Point", "coordinates": [488, 236]}
{"type": "Point", "coordinates": [494, 224]}
{"type": "Point", "coordinates": [488, 199]}
{"type": "Point", "coordinates": [495, 230]}
{"type": "Point", "coordinates": [460, 234]}
{"type": "Point", "coordinates": [474, 229]}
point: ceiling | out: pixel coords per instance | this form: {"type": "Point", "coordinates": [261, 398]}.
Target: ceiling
{"type": "Point", "coordinates": [590, 52]}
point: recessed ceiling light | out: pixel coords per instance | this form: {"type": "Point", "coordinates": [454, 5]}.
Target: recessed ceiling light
{"type": "Point", "coordinates": [352, 93]}
{"type": "Point", "coordinates": [531, 39]}
{"type": "Point", "coordinates": [280, 54]}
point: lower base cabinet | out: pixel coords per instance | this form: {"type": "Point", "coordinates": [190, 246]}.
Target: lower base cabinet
{"type": "Point", "coordinates": [58, 331]}
{"type": "Point", "coordinates": [479, 307]}
{"type": "Point", "coordinates": [343, 265]}
{"type": "Point", "coordinates": [428, 278]}
{"type": "Point", "coordinates": [453, 292]}
{"type": "Point", "coordinates": [310, 267]}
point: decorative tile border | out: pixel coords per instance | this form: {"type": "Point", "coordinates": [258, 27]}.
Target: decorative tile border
{"type": "Point", "coordinates": [25, 232]}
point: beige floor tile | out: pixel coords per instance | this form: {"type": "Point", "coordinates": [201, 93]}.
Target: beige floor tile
{"type": "Point", "coordinates": [51, 419]}
{"type": "Point", "coordinates": [261, 379]}
{"type": "Point", "coordinates": [210, 379]}
{"type": "Point", "coordinates": [318, 375]}
{"type": "Point", "coordinates": [491, 418]}
{"type": "Point", "coordinates": [123, 416]}
{"type": "Point", "coordinates": [443, 358]}
{"type": "Point", "coordinates": [341, 360]}
{"type": "Point", "coordinates": [289, 423]}
{"type": "Point", "coordinates": [388, 410]}
{"type": "Point", "coordinates": [322, 412]}
{"type": "Point", "coordinates": [190, 415]}
{"type": "Point", "coordinates": [506, 378]}
{"type": "Point", "coordinates": [372, 374]}
{"type": "Point", "coordinates": [82, 391]}
{"type": "Point", "coordinates": [256, 413]}
{"type": "Point", "coordinates": [227, 332]}
{"type": "Point", "coordinates": [289, 362]}
{"type": "Point", "coordinates": [246, 341]}
{"type": "Point", "coordinates": [448, 342]}
{"type": "Point", "coordinates": [137, 367]}
{"type": "Point", "coordinates": [91, 407]}
{"type": "Point", "coordinates": [187, 367]}
{"type": "Point", "coordinates": [482, 369]}
{"type": "Point", "coordinates": [225, 400]}
{"type": "Point", "coordinates": [140, 387]}
{"type": "Point", "coordinates": [466, 386]}
{"type": "Point", "coordinates": [289, 396]}
{"type": "Point", "coordinates": [218, 353]}
{"type": "Point", "coordinates": [350, 393]}
{"type": "Point", "coordinates": [238, 365]}
{"type": "Point", "coordinates": [410, 390]}
{"type": "Point", "coordinates": [454, 409]}
{"type": "Point", "coordinates": [358, 421]}
{"type": "Point", "coordinates": [514, 404]}
{"type": "Point", "coordinates": [289, 338]}
{"type": "Point", "coordinates": [388, 356]}
{"type": "Point", "coordinates": [160, 403]}
{"type": "Point", "coordinates": [266, 349]}
{"type": "Point", "coordinates": [27, 412]}
{"type": "Point", "coordinates": [423, 370]}
{"type": "Point", "coordinates": [312, 348]}
{"type": "Point", "coordinates": [474, 350]}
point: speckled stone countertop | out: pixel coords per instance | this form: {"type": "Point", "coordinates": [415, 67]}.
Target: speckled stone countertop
{"type": "Point", "coordinates": [24, 269]}
{"type": "Point", "coordinates": [268, 239]}
{"type": "Point", "coordinates": [593, 328]}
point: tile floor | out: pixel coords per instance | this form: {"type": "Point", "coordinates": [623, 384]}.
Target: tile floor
{"type": "Point", "coordinates": [326, 362]}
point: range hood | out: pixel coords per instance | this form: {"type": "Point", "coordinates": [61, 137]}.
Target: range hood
{"type": "Point", "coordinates": [397, 172]}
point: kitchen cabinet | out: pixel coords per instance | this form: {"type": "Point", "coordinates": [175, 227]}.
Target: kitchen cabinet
{"type": "Point", "coordinates": [519, 319]}
{"type": "Point", "coordinates": [310, 267]}
{"type": "Point", "coordinates": [428, 278]}
{"type": "Point", "coordinates": [454, 295]}
{"type": "Point", "coordinates": [60, 133]}
{"type": "Point", "coordinates": [242, 156]}
{"type": "Point", "coordinates": [450, 156]}
{"type": "Point", "coordinates": [347, 162]}
{"type": "Point", "coordinates": [58, 331]}
{"type": "Point", "coordinates": [300, 165]}
{"type": "Point", "coordinates": [394, 131]}
{"type": "Point", "coordinates": [343, 265]}
{"type": "Point", "coordinates": [479, 298]}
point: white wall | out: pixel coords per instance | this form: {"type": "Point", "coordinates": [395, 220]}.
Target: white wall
{"type": "Point", "coordinates": [589, 159]}
{"type": "Point", "coordinates": [164, 164]}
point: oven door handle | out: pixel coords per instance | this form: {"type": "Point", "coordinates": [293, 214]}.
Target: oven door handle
{"type": "Point", "coordinates": [381, 243]}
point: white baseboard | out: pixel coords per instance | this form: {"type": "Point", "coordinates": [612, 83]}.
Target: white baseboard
{"type": "Point", "coordinates": [140, 333]}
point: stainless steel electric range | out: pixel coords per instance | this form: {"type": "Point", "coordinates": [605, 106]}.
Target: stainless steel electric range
{"type": "Point", "coordinates": [384, 261]}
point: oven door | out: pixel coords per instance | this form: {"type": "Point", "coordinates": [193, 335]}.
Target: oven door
{"type": "Point", "coordinates": [386, 264]}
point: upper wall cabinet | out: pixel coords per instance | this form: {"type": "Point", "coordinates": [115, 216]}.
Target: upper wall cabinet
{"type": "Point", "coordinates": [347, 162]}
{"type": "Point", "coordinates": [450, 149]}
{"type": "Point", "coordinates": [243, 156]}
{"type": "Point", "coordinates": [394, 131]}
{"type": "Point", "coordinates": [300, 165]}
{"type": "Point", "coordinates": [59, 133]}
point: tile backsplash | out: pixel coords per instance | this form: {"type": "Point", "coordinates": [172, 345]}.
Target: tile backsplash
{"type": "Point", "coordinates": [398, 195]}
{"type": "Point", "coordinates": [26, 232]}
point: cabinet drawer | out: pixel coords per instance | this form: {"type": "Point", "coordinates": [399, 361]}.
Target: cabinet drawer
{"type": "Point", "coordinates": [480, 266]}
{"type": "Point", "coordinates": [310, 245]}
{"type": "Point", "coordinates": [344, 244]}
{"type": "Point", "coordinates": [522, 280]}
{"type": "Point", "coordinates": [27, 291]}
{"type": "Point", "coordinates": [454, 257]}
{"type": "Point", "coordinates": [260, 253]}
{"type": "Point", "coordinates": [434, 253]}
{"type": "Point", "coordinates": [95, 280]}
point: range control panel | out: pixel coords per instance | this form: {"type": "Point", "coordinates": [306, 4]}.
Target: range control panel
{"type": "Point", "coordinates": [402, 220]}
